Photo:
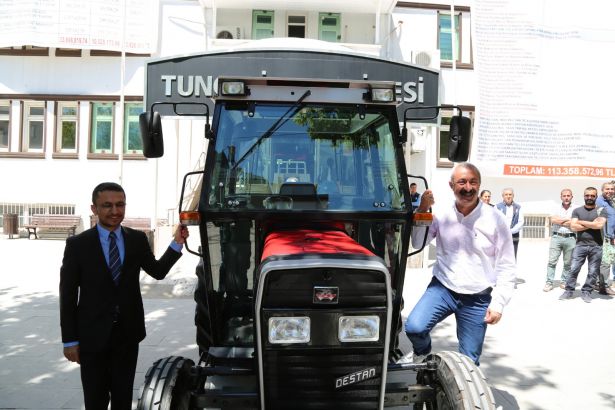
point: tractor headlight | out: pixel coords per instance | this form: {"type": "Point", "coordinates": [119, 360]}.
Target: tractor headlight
{"type": "Point", "coordinates": [233, 88]}
{"type": "Point", "coordinates": [383, 94]}
{"type": "Point", "coordinates": [359, 328]}
{"type": "Point", "coordinates": [289, 330]}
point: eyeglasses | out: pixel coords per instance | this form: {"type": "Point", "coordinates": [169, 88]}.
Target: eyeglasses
{"type": "Point", "coordinates": [109, 205]}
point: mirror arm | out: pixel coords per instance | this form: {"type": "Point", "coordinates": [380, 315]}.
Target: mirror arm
{"type": "Point", "coordinates": [422, 178]}
{"type": "Point", "coordinates": [181, 201]}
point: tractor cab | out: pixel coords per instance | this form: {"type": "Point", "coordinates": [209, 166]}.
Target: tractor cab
{"type": "Point", "coordinates": [305, 220]}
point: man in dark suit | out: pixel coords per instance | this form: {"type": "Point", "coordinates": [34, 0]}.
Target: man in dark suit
{"type": "Point", "coordinates": [101, 310]}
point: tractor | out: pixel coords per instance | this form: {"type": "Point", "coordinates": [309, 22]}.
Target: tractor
{"type": "Point", "coordinates": [305, 218]}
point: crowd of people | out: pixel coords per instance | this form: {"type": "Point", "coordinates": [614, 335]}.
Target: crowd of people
{"type": "Point", "coordinates": [475, 285]}
{"type": "Point", "coordinates": [578, 234]}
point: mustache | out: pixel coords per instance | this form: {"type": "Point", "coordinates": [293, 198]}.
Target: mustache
{"type": "Point", "coordinates": [590, 202]}
{"type": "Point", "coordinates": [467, 192]}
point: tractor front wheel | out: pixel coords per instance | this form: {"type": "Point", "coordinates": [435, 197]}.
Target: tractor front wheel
{"type": "Point", "coordinates": [458, 382]}
{"type": "Point", "coordinates": [167, 385]}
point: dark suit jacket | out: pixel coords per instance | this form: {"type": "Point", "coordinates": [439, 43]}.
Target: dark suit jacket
{"type": "Point", "coordinates": [88, 295]}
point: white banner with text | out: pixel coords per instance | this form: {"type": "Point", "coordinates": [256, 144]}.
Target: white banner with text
{"type": "Point", "coordinates": [91, 24]}
{"type": "Point", "coordinates": [545, 87]}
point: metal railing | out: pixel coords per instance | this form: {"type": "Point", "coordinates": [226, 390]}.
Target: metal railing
{"type": "Point", "coordinates": [25, 211]}
{"type": "Point", "coordinates": [535, 227]}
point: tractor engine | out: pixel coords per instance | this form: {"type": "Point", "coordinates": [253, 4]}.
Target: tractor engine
{"type": "Point", "coordinates": [323, 317]}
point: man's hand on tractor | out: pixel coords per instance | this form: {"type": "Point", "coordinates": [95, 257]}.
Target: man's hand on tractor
{"type": "Point", "coordinates": [426, 201]}
{"type": "Point", "coordinates": [181, 234]}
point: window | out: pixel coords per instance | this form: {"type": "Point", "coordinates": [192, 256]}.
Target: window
{"type": "Point", "coordinates": [132, 136]}
{"type": "Point", "coordinates": [68, 52]}
{"type": "Point", "coordinates": [262, 24]}
{"type": "Point", "coordinates": [334, 151]}
{"type": "Point", "coordinates": [24, 51]}
{"type": "Point", "coordinates": [296, 26]}
{"type": "Point", "coordinates": [102, 128]}
{"type": "Point", "coordinates": [66, 127]}
{"type": "Point", "coordinates": [445, 37]}
{"type": "Point", "coordinates": [445, 122]}
{"type": "Point", "coordinates": [329, 27]}
{"type": "Point", "coordinates": [33, 127]}
{"type": "Point", "coordinates": [5, 125]}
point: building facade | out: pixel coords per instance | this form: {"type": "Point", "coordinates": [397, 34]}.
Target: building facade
{"type": "Point", "coordinates": [69, 116]}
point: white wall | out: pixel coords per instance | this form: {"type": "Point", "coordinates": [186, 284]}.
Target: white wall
{"type": "Point", "coordinates": [182, 28]}
{"type": "Point", "coordinates": [69, 75]}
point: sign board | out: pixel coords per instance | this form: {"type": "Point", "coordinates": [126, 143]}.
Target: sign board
{"type": "Point", "coordinates": [193, 78]}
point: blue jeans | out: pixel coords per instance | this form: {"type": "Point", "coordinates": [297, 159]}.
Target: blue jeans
{"type": "Point", "coordinates": [560, 246]}
{"type": "Point", "coordinates": [435, 305]}
{"type": "Point", "coordinates": [593, 254]}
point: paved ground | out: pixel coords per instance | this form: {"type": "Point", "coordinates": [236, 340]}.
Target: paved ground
{"type": "Point", "coordinates": [545, 354]}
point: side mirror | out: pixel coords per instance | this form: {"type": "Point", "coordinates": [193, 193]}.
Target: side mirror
{"type": "Point", "coordinates": [151, 134]}
{"type": "Point", "coordinates": [459, 139]}
{"type": "Point", "coordinates": [403, 137]}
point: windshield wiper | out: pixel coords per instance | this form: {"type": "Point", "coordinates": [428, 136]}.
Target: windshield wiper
{"type": "Point", "coordinates": [274, 127]}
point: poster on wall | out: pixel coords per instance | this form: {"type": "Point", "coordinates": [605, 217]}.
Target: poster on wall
{"type": "Point", "coordinates": [94, 24]}
{"type": "Point", "coordinates": [545, 88]}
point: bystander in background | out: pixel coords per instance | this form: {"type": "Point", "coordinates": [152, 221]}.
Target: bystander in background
{"type": "Point", "coordinates": [415, 197]}
{"type": "Point", "coordinates": [605, 201]}
{"type": "Point", "coordinates": [485, 197]}
{"type": "Point", "coordinates": [514, 216]}
{"type": "Point", "coordinates": [563, 240]}
{"type": "Point", "coordinates": [587, 222]}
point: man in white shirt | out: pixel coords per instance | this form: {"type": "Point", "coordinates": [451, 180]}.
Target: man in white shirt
{"type": "Point", "coordinates": [474, 273]}
{"type": "Point", "coordinates": [514, 215]}
{"type": "Point", "coordinates": [563, 240]}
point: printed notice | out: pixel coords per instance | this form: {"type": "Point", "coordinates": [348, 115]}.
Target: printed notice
{"type": "Point", "coordinates": [92, 24]}
{"type": "Point", "coordinates": [545, 96]}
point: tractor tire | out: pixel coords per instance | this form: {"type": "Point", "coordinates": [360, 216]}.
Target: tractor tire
{"type": "Point", "coordinates": [458, 382]}
{"type": "Point", "coordinates": [167, 385]}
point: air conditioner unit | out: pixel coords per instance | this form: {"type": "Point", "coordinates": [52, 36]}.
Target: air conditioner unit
{"type": "Point", "coordinates": [424, 58]}
{"type": "Point", "coordinates": [229, 32]}
{"type": "Point", "coordinates": [418, 139]}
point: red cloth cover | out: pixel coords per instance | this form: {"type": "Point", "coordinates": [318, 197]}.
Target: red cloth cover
{"type": "Point", "coordinates": [310, 241]}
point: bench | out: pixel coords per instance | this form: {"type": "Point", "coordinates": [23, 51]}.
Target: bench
{"type": "Point", "coordinates": [61, 223]}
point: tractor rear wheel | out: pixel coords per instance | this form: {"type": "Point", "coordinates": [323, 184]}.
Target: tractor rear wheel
{"type": "Point", "coordinates": [458, 382]}
{"type": "Point", "coordinates": [167, 385]}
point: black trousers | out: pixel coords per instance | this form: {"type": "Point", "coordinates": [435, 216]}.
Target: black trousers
{"type": "Point", "coordinates": [515, 238]}
{"type": "Point", "coordinates": [109, 374]}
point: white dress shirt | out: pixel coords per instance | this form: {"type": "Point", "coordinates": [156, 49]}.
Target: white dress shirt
{"type": "Point", "coordinates": [565, 214]}
{"type": "Point", "coordinates": [509, 217]}
{"type": "Point", "coordinates": [473, 252]}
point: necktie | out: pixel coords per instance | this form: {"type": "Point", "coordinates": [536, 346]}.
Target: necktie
{"type": "Point", "coordinates": [115, 264]}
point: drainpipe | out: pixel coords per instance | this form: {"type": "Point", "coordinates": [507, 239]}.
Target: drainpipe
{"type": "Point", "coordinates": [213, 10]}
{"type": "Point", "coordinates": [377, 33]}
{"type": "Point", "coordinates": [122, 76]}
{"type": "Point", "coordinates": [453, 38]}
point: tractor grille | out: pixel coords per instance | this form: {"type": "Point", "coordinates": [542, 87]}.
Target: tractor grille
{"type": "Point", "coordinates": [305, 379]}
{"type": "Point", "coordinates": [294, 288]}
{"type": "Point", "coordinates": [305, 376]}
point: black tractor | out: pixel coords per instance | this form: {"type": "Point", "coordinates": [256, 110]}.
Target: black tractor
{"type": "Point", "coordinates": [305, 219]}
